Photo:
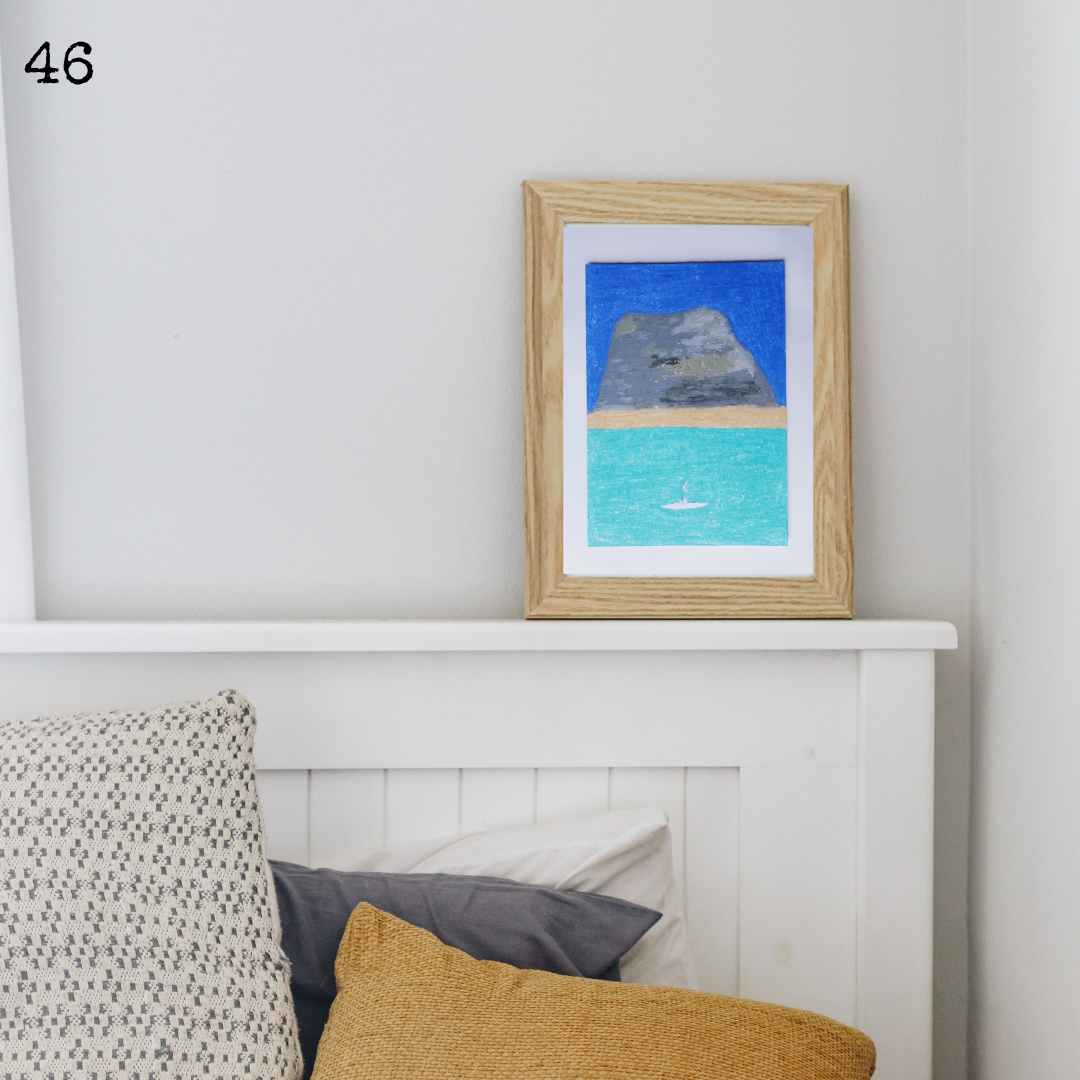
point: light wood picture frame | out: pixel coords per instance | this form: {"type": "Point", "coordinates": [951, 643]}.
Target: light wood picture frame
{"type": "Point", "coordinates": [805, 569]}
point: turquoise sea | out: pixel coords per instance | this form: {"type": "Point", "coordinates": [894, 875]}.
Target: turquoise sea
{"type": "Point", "coordinates": [740, 474]}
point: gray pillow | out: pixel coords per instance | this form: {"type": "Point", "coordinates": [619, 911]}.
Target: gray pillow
{"type": "Point", "coordinates": [529, 926]}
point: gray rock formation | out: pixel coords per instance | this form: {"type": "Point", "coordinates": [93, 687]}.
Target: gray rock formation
{"type": "Point", "coordinates": [688, 359]}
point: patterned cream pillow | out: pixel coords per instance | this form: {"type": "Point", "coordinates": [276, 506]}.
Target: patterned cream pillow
{"type": "Point", "coordinates": [136, 922]}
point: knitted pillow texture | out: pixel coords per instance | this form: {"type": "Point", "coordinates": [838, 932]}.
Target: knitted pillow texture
{"type": "Point", "coordinates": [136, 913]}
{"type": "Point", "coordinates": [411, 1008]}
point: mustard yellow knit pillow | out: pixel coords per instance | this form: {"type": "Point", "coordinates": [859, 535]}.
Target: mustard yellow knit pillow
{"type": "Point", "coordinates": [411, 1008]}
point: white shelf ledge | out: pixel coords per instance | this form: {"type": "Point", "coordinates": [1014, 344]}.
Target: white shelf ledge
{"type": "Point", "coordinates": [511, 635]}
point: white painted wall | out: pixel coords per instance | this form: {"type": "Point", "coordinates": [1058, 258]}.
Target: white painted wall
{"type": "Point", "coordinates": [1026, 376]}
{"type": "Point", "coordinates": [268, 262]}
{"type": "Point", "coordinates": [16, 548]}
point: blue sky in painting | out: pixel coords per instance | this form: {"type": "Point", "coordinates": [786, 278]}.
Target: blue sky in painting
{"type": "Point", "coordinates": [750, 294]}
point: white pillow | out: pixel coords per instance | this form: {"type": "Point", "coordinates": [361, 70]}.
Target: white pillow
{"type": "Point", "coordinates": [137, 919]}
{"type": "Point", "coordinates": [625, 853]}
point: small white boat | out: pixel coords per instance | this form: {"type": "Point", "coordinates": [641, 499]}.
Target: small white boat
{"type": "Point", "coordinates": [682, 504]}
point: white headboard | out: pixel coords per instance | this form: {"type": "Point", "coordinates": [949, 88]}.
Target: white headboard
{"type": "Point", "coordinates": [795, 760]}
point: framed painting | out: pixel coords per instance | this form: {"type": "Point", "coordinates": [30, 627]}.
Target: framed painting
{"type": "Point", "coordinates": [687, 401]}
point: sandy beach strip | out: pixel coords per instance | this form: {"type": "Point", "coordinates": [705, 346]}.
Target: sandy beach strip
{"type": "Point", "coordinates": [726, 416]}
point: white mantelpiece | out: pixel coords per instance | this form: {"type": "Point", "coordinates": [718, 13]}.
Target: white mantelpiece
{"type": "Point", "coordinates": [473, 636]}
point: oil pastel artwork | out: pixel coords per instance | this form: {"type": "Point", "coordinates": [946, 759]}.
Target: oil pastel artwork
{"type": "Point", "coordinates": [686, 386]}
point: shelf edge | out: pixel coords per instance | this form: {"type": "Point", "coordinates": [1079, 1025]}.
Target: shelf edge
{"type": "Point", "coordinates": [473, 636]}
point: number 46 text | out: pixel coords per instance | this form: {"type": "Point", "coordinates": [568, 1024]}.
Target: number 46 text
{"type": "Point", "coordinates": [85, 69]}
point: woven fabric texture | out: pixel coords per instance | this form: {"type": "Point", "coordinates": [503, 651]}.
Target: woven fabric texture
{"type": "Point", "coordinates": [411, 1007]}
{"type": "Point", "coordinates": [137, 929]}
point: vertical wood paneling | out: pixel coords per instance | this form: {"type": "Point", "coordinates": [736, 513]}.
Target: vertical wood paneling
{"type": "Point", "coordinates": [497, 799]}
{"type": "Point", "coordinates": [347, 815]}
{"type": "Point", "coordinates": [776, 844]}
{"type": "Point", "coordinates": [422, 804]}
{"type": "Point", "coordinates": [712, 877]}
{"type": "Point", "coordinates": [648, 789]}
{"type": "Point", "coordinates": [562, 794]}
{"type": "Point", "coordinates": [797, 888]}
{"type": "Point", "coordinates": [283, 797]}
